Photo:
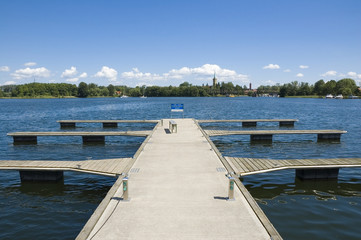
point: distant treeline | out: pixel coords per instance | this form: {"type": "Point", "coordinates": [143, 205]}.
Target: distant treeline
{"type": "Point", "coordinates": [185, 89]}
{"type": "Point", "coordinates": [344, 86]}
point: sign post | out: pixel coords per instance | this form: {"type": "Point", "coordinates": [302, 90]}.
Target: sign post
{"type": "Point", "coordinates": [177, 107]}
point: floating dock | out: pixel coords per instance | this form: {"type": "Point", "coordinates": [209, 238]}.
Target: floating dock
{"type": "Point", "coordinates": [175, 186]}
{"type": "Point", "coordinates": [248, 166]}
{"type": "Point", "coordinates": [268, 134]}
{"type": "Point", "coordinates": [106, 123]}
{"type": "Point", "coordinates": [253, 122]}
{"type": "Point", "coordinates": [179, 192]}
{"type": "Point", "coordinates": [31, 137]}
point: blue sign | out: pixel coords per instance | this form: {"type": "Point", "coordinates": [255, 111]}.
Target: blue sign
{"type": "Point", "coordinates": [177, 107]}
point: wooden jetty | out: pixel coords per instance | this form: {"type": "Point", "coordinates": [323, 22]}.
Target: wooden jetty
{"type": "Point", "coordinates": [106, 123]}
{"type": "Point", "coordinates": [253, 122]}
{"type": "Point", "coordinates": [31, 137]}
{"type": "Point", "coordinates": [107, 167]}
{"type": "Point", "coordinates": [305, 168]}
{"type": "Point", "coordinates": [178, 185]}
{"type": "Point", "coordinates": [268, 134]}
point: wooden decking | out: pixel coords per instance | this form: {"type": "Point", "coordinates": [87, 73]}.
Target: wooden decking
{"type": "Point", "coordinates": [253, 122]}
{"type": "Point", "coordinates": [271, 132]}
{"type": "Point", "coordinates": [248, 120]}
{"type": "Point", "coordinates": [106, 123]}
{"type": "Point", "coordinates": [126, 133]}
{"type": "Point", "coordinates": [88, 137]}
{"type": "Point", "coordinates": [267, 135]}
{"type": "Point", "coordinates": [248, 166]}
{"type": "Point", "coordinates": [108, 167]}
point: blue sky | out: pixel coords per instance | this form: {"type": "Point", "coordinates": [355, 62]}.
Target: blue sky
{"type": "Point", "coordinates": [169, 42]}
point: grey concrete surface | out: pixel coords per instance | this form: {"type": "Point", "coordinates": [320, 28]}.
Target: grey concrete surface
{"type": "Point", "coordinates": [178, 193]}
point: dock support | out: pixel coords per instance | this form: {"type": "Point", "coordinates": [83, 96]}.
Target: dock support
{"type": "Point", "coordinates": [93, 139]}
{"type": "Point", "coordinates": [125, 189]}
{"type": "Point", "coordinates": [317, 173]}
{"type": "Point", "coordinates": [110, 124]}
{"type": "Point", "coordinates": [41, 176]}
{"type": "Point", "coordinates": [249, 124]}
{"type": "Point", "coordinates": [25, 139]}
{"type": "Point", "coordinates": [67, 125]}
{"type": "Point", "coordinates": [265, 137]}
{"type": "Point", "coordinates": [329, 136]}
{"type": "Point", "coordinates": [287, 124]}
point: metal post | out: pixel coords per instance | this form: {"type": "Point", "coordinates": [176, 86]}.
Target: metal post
{"type": "Point", "coordinates": [125, 189]}
{"type": "Point", "coordinates": [231, 188]}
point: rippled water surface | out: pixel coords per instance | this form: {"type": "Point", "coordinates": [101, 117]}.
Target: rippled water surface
{"type": "Point", "coordinates": [298, 209]}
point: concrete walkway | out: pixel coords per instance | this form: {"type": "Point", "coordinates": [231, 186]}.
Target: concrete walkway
{"type": "Point", "coordinates": [178, 194]}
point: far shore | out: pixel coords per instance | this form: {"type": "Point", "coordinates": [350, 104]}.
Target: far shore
{"type": "Point", "coordinates": [52, 97]}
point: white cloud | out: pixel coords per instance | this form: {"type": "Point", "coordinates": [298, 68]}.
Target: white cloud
{"type": "Point", "coordinates": [29, 64]}
{"type": "Point", "coordinates": [354, 75]}
{"type": "Point", "coordinates": [272, 66]}
{"type": "Point", "coordinates": [299, 75]}
{"type": "Point", "coordinates": [107, 72]}
{"type": "Point", "coordinates": [83, 75]}
{"type": "Point", "coordinates": [270, 82]}
{"type": "Point", "coordinates": [287, 70]}
{"type": "Point", "coordinates": [144, 84]}
{"type": "Point", "coordinates": [304, 66]}
{"type": "Point", "coordinates": [69, 73]}
{"type": "Point", "coordinates": [204, 73]}
{"type": "Point", "coordinates": [31, 73]}
{"type": "Point", "coordinates": [4, 69]}
{"type": "Point", "coordinates": [136, 74]}
{"type": "Point", "coordinates": [72, 79]}
{"type": "Point", "coordinates": [329, 73]}
{"type": "Point", "coordinates": [10, 83]}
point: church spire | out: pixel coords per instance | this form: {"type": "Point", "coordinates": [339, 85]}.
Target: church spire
{"type": "Point", "coordinates": [214, 79]}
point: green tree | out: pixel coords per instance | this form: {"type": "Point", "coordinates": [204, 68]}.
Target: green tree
{"type": "Point", "coordinates": [185, 84]}
{"type": "Point", "coordinates": [330, 87]}
{"type": "Point", "coordinates": [135, 92]}
{"type": "Point", "coordinates": [319, 88]}
{"type": "Point", "coordinates": [283, 91]}
{"type": "Point", "coordinates": [83, 90]}
{"type": "Point", "coordinates": [346, 85]}
{"type": "Point", "coordinates": [111, 90]}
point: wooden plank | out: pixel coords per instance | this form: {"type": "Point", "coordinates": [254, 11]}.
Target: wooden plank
{"type": "Point", "coordinates": [261, 164]}
{"type": "Point", "coordinates": [247, 165]}
{"type": "Point", "coordinates": [120, 167]}
{"type": "Point", "coordinates": [110, 165]}
{"type": "Point", "coordinates": [108, 133]}
{"type": "Point", "coordinates": [107, 121]}
{"type": "Point", "coordinates": [253, 164]}
{"type": "Point", "coordinates": [243, 164]}
{"type": "Point", "coordinates": [248, 120]}
{"type": "Point", "coordinates": [236, 164]}
{"type": "Point", "coordinates": [272, 132]}
{"type": "Point", "coordinates": [267, 163]}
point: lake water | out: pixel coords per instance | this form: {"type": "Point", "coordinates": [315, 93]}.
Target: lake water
{"type": "Point", "coordinates": [298, 209]}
